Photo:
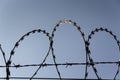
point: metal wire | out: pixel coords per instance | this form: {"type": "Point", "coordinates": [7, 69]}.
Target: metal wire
{"type": "Point", "coordinates": [89, 61]}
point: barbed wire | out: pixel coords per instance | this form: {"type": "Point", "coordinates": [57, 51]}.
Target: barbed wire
{"type": "Point", "coordinates": [60, 64]}
{"type": "Point", "coordinates": [88, 63]}
{"type": "Point", "coordinates": [88, 43]}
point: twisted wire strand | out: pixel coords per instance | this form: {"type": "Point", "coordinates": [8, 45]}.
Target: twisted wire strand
{"type": "Point", "coordinates": [88, 44]}
{"type": "Point", "coordinates": [61, 64]}
{"type": "Point", "coordinates": [58, 64]}
{"type": "Point", "coordinates": [38, 78]}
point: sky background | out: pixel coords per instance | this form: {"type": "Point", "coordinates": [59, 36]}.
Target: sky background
{"type": "Point", "coordinates": [18, 17]}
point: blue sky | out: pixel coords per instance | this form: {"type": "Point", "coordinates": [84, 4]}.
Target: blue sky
{"type": "Point", "coordinates": [20, 16]}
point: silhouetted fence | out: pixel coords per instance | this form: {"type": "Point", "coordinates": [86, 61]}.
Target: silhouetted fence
{"type": "Point", "coordinates": [89, 61]}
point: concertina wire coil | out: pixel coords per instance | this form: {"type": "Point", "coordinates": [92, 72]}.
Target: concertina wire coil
{"type": "Point", "coordinates": [89, 61]}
